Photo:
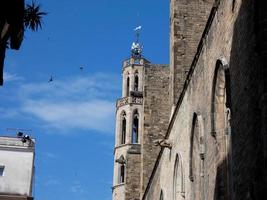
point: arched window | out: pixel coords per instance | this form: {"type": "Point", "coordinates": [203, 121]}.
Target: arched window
{"type": "Point", "coordinates": [161, 195]}
{"type": "Point", "coordinates": [127, 86]}
{"type": "Point", "coordinates": [196, 160]}
{"type": "Point", "coordinates": [135, 129]}
{"type": "Point", "coordinates": [136, 81]}
{"type": "Point", "coordinates": [220, 128]}
{"type": "Point", "coordinates": [221, 101]}
{"type": "Point", "coordinates": [123, 127]}
{"type": "Point", "coordinates": [178, 180]}
{"type": "Point", "coordinates": [121, 173]}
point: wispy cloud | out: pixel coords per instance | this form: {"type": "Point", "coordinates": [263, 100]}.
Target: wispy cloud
{"type": "Point", "coordinates": [49, 155]}
{"type": "Point", "coordinates": [8, 112]}
{"type": "Point", "coordinates": [52, 181]}
{"type": "Point", "coordinates": [12, 77]}
{"type": "Point", "coordinates": [77, 187]}
{"type": "Point", "coordinates": [70, 114]}
{"type": "Point", "coordinates": [86, 103]}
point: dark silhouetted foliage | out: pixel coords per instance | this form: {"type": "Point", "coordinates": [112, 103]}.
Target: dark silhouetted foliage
{"type": "Point", "coordinates": [33, 16]}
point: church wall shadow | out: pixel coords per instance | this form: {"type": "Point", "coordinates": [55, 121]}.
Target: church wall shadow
{"type": "Point", "coordinates": [248, 179]}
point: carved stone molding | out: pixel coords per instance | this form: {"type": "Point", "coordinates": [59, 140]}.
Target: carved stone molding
{"type": "Point", "coordinates": [129, 100]}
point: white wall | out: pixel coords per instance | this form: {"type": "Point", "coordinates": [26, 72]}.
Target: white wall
{"type": "Point", "coordinates": [18, 172]}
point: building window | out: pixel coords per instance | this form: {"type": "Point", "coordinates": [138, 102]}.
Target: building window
{"type": "Point", "coordinates": [121, 173]}
{"type": "Point", "coordinates": [123, 128]}
{"type": "Point", "coordinates": [178, 179]}
{"type": "Point", "coordinates": [135, 131]}
{"type": "Point", "coordinates": [137, 61]}
{"type": "Point", "coordinates": [196, 160]}
{"type": "Point", "coordinates": [161, 195]}
{"type": "Point", "coordinates": [2, 168]}
{"type": "Point", "coordinates": [136, 81]}
{"type": "Point", "coordinates": [128, 86]}
{"type": "Point", "coordinates": [220, 128]}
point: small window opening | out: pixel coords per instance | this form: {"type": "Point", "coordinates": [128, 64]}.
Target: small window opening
{"type": "Point", "coordinates": [137, 61]}
{"type": "Point", "coordinates": [128, 86]}
{"type": "Point", "coordinates": [2, 168]}
{"type": "Point", "coordinates": [123, 129]}
{"type": "Point", "coordinates": [161, 195]}
{"type": "Point", "coordinates": [122, 174]}
{"type": "Point", "coordinates": [135, 132]}
{"type": "Point", "coordinates": [136, 81]}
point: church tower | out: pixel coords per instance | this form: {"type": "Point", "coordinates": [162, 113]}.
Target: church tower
{"type": "Point", "coordinates": [142, 116]}
{"type": "Point", "coordinates": [129, 115]}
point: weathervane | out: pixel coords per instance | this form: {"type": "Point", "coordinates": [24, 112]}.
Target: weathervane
{"type": "Point", "coordinates": [136, 46]}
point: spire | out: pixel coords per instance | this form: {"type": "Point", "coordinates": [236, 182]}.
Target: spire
{"type": "Point", "coordinates": [137, 46]}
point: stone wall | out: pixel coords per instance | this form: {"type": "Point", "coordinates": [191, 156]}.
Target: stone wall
{"type": "Point", "coordinates": [127, 150]}
{"type": "Point", "coordinates": [223, 90]}
{"type": "Point", "coordinates": [156, 116]}
{"type": "Point", "coordinates": [187, 22]}
{"type": "Point", "coordinates": [132, 186]}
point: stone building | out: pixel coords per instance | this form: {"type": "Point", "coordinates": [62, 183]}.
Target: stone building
{"type": "Point", "coordinates": [202, 120]}
{"type": "Point", "coordinates": [16, 168]}
{"type": "Point", "coordinates": [138, 115]}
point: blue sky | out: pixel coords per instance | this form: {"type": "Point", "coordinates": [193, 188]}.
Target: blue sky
{"type": "Point", "coordinates": [73, 117]}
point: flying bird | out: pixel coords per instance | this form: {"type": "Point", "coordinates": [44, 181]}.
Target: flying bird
{"type": "Point", "coordinates": [51, 79]}
{"type": "Point", "coordinates": [81, 68]}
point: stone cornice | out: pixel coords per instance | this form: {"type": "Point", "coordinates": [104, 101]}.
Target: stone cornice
{"type": "Point", "coordinates": [129, 101]}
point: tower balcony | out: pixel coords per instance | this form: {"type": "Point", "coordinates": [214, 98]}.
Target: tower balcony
{"type": "Point", "coordinates": [137, 100]}
{"type": "Point", "coordinates": [135, 61]}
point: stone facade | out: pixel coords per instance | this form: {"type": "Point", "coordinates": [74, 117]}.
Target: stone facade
{"type": "Point", "coordinates": [146, 95]}
{"type": "Point", "coordinates": [216, 127]}
{"type": "Point", "coordinates": [187, 22]}
{"type": "Point", "coordinates": [213, 143]}
{"type": "Point", "coordinates": [156, 116]}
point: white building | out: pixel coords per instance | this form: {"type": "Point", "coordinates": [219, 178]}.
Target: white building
{"type": "Point", "coordinates": [16, 168]}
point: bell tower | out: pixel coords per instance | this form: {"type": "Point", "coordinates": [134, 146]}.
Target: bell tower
{"type": "Point", "coordinates": [129, 118]}
{"type": "Point", "coordinates": [142, 116]}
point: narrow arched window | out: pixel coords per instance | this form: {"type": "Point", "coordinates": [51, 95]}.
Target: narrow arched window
{"type": "Point", "coordinates": [220, 128]}
{"type": "Point", "coordinates": [195, 160]}
{"type": "Point", "coordinates": [121, 173]}
{"type": "Point", "coordinates": [123, 128]}
{"type": "Point", "coordinates": [128, 86]}
{"type": "Point", "coordinates": [136, 81]}
{"type": "Point", "coordinates": [161, 195]}
{"type": "Point", "coordinates": [178, 179]}
{"type": "Point", "coordinates": [135, 130]}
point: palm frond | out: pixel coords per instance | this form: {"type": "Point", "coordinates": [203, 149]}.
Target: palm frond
{"type": "Point", "coordinates": [33, 16]}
